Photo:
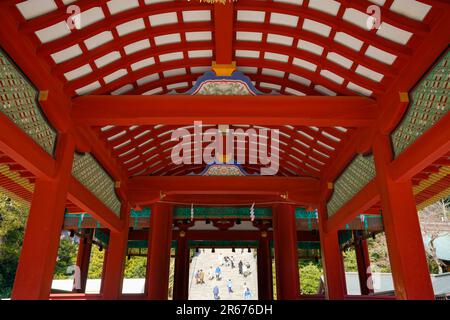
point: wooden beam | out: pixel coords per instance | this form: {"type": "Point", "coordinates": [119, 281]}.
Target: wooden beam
{"type": "Point", "coordinates": [300, 198]}
{"type": "Point", "coordinates": [104, 155]}
{"type": "Point", "coordinates": [244, 235]}
{"type": "Point", "coordinates": [57, 106]}
{"type": "Point", "coordinates": [390, 104]}
{"type": "Point", "coordinates": [223, 32]}
{"type": "Point", "coordinates": [85, 200]}
{"type": "Point", "coordinates": [143, 188]}
{"type": "Point", "coordinates": [262, 110]}
{"type": "Point", "coordinates": [363, 200]}
{"type": "Point", "coordinates": [17, 145]}
{"type": "Point", "coordinates": [429, 147]}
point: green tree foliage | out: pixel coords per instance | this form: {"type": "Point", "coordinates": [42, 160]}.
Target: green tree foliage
{"type": "Point", "coordinates": [379, 258]}
{"type": "Point", "coordinates": [350, 263]}
{"type": "Point", "coordinates": [13, 218]}
{"type": "Point", "coordinates": [96, 263]}
{"type": "Point", "coordinates": [67, 256]}
{"type": "Point", "coordinates": [310, 274]}
{"type": "Point", "coordinates": [135, 267]}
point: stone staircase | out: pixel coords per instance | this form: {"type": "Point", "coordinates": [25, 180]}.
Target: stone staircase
{"type": "Point", "coordinates": [205, 258]}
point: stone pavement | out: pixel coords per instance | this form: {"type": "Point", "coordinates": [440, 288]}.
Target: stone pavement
{"type": "Point", "coordinates": [205, 258]}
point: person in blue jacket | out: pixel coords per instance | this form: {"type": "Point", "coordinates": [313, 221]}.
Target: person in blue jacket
{"type": "Point", "coordinates": [216, 293]}
{"type": "Point", "coordinates": [230, 286]}
{"type": "Point", "coordinates": [247, 294]}
{"type": "Point", "coordinates": [218, 272]}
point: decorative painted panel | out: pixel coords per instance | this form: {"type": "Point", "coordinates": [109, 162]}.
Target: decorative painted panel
{"type": "Point", "coordinates": [429, 103]}
{"type": "Point", "coordinates": [18, 101]}
{"type": "Point", "coordinates": [92, 175]}
{"type": "Point", "coordinates": [355, 177]}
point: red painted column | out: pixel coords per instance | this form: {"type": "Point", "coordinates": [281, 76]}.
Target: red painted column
{"type": "Point", "coordinates": [332, 260]}
{"type": "Point", "coordinates": [83, 259]}
{"type": "Point", "coordinates": [363, 262]}
{"type": "Point", "coordinates": [41, 240]}
{"type": "Point", "coordinates": [401, 224]}
{"type": "Point", "coordinates": [264, 259]}
{"type": "Point", "coordinates": [181, 273]}
{"type": "Point", "coordinates": [114, 263]}
{"type": "Point", "coordinates": [158, 259]}
{"type": "Point", "coordinates": [286, 257]}
{"type": "Point", "coordinates": [105, 258]}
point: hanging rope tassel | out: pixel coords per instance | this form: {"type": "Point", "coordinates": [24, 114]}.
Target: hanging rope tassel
{"type": "Point", "coordinates": [252, 212]}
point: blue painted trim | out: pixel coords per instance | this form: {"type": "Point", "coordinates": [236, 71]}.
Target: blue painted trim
{"type": "Point", "coordinates": [237, 76]}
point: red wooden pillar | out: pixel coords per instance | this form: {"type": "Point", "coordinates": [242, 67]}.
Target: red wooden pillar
{"type": "Point", "coordinates": [114, 263]}
{"type": "Point", "coordinates": [265, 285]}
{"type": "Point", "coordinates": [332, 261]}
{"type": "Point", "coordinates": [105, 258]}
{"type": "Point", "coordinates": [181, 273]}
{"type": "Point", "coordinates": [286, 257]}
{"type": "Point", "coordinates": [41, 240]}
{"type": "Point", "coordinates": [363, 262]}
{"type": "Point", "coordinates": [158, 259]}
{"type": "Point", "coordinates": [401, 224]}
{"type": "Point", "coordinates": [83, 259]}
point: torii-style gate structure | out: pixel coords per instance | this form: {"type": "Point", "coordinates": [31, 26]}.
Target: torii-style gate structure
{"type": "Point", "coordinates": [87, 111]}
